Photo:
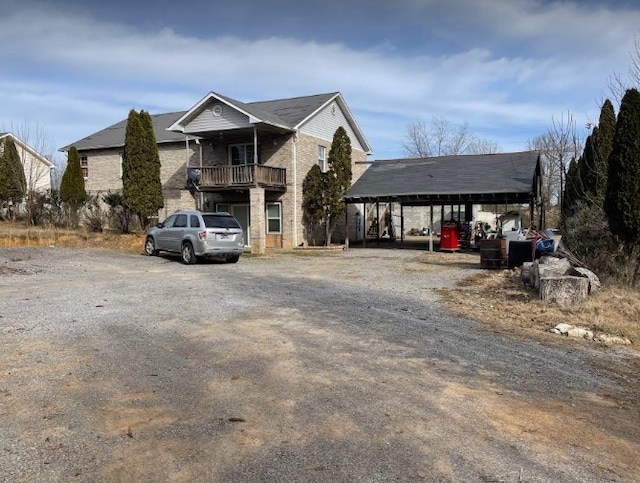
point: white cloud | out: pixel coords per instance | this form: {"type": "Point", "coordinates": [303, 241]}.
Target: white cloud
{"type": "Point", "coordinates": [531, 61]}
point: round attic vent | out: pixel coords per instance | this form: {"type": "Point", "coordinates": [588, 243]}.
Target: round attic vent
{"type": "Point", "coordinates": [217, 110]}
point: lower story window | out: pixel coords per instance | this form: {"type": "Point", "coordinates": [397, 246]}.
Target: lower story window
{"type": "Point", "coordinates": [274, 218]}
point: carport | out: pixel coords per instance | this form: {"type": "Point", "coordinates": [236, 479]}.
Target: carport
{"type": "Point", "coordinates": [462, 180]}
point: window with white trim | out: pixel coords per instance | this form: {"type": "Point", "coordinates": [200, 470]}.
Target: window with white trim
{"type": "Point", "coordinates": [274, 218]}
{"type": "Point", "coordinates": [240, 154]}
{"type": "Point", "coordinates": [322, 158]}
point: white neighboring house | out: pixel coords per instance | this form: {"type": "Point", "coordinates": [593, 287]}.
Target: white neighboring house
{"type": "Point", "coordinates": [37, 168]}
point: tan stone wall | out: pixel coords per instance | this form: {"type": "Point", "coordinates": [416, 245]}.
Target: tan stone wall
{"type": "Point", "coordinates": [307, 155]}
{"type": "Point", "coordinates": [104, 169]}
{"type": "Point", "coordinates": [105, 173]}
{"type": "Point", "coordinates": [276, 150]}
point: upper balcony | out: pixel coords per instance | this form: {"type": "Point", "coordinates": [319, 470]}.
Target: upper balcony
{"type": "Point", "coordinates": [220, 178]}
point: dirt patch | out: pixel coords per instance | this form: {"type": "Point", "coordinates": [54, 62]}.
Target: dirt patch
{"type": "Point", "coordinates": [176, 396]}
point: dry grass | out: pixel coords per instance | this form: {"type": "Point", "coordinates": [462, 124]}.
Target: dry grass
{"type": "Point", "coordinates": [504, 304]}
{"type": "Point", "coordinates": [15, 234]}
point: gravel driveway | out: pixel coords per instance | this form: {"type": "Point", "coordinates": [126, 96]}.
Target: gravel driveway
{"type": "Point", "coordinates": [335, 368]}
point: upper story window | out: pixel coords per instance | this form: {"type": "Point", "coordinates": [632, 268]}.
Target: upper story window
{"type": "Point", "coordinates": [322, 158]}
{"type": "Point", "coordinates": [242, 154]}
{"type": "Point", "coordinates": [84, 164]}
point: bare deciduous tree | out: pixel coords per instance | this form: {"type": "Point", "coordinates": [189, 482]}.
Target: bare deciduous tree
{"type": "Point", "coordinates": [618, 84]}
{"type": "Point", "coordinates": [440, 138]}
{"type": "Point", "coordinates": [558, 146]}
{"type": "Point", "coordinates": [483, 146]}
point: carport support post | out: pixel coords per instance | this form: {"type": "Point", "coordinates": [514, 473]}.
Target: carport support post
{"type": "Point", "coordinates": [401, 223]}
{"type": "Point", "coordinates": [258, 222]}
{"type": "Point", "coordinates": [431, 227]}
{"type": "Point", "coordinates": [346, 227]}
{"type": "Point", "coordinates": [378, 223]}
{"type": "Point", "coordinates": [365, 228]}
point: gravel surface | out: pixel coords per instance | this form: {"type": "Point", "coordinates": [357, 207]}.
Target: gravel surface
{"type": "Point", "coordinates": [343, 367]}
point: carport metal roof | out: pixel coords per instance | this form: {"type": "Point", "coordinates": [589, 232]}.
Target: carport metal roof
{"type": "Point", "coordinates": [442, 180]}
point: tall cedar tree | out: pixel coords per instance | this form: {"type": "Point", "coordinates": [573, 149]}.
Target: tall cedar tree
{"type": "Point", "coordinates": [587, 168]}
{"type": "Point", "coordinates": [573, 192]}
{"type": "Point", "coordinates": [313, 196]}
{"type": "Point", "coordinates": [622, 201]}
{"type": "Point", "coordinates": [338, 179]}
{"type": "Point", "coordinates": [141, 185]}
{"type": "Point", "coordinates": [607, 128]}
{"type": "Point", "coordinates": [13, 184]}
{"type": "Point", "coordinates": [72, 191]}
{"type": "Point", "coordinates": [594, 164]}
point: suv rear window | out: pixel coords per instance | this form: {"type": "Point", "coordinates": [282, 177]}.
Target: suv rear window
{"type": "Point", "coordinates": [220, 221]}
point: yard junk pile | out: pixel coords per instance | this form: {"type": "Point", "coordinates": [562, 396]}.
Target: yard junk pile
{"type": "Point", "coordinates": [554, 273]}
{"type": "Point", "coordinates": [557, 275]}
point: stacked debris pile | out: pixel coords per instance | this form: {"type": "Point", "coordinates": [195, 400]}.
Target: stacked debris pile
{"type": "Point", "coordinates": [556, 274]}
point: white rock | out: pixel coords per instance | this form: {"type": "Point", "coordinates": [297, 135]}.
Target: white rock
{"type": "Point", "coordinates": [563, 328]}
{"type": "Point", "coordinates": [612, 339]}
{"type": "Point", "coordinates": [580, 333]}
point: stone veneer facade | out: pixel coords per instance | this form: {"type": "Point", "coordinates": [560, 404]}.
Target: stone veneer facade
{"type": "Point", "coordinates": [105, 174]}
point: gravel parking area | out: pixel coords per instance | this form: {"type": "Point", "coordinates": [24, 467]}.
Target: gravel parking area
{"type": "Point", "coordinates": [339, 367]}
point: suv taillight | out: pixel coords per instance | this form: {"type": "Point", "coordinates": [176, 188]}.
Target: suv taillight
{"type": "Point", "coordinates": [202, 235]}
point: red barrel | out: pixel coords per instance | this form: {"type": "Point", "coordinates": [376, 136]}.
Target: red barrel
{"type": "Point", "coordinates": [450, 236]}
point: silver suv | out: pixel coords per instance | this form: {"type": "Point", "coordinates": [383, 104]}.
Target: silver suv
{"type": "Point", "coordinates": [195, 234]}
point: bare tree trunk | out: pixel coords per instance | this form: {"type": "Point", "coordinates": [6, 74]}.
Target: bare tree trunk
{"type": "Point", "coordinates": [327, 235]}
{"type": "Point", "coordinates": [636, 273]}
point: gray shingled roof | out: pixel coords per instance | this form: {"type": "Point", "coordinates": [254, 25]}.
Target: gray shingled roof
{"type": "Point", "coordinates": [473, 178]}
{"type": "Point", "coordinates": [285, 113]}
{"type": "Point", "coordinates": [294, 110]}
{"type": "Point", "coordinates": [113, 136]}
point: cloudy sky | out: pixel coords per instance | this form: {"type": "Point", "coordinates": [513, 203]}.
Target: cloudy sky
{"type": "Point", "coordinates": [505, 67]}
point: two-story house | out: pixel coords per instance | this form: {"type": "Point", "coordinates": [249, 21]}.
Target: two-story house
{"type": "Point", "coordinates": [249, 159]}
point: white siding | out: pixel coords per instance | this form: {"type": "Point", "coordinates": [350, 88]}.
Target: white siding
{"type": "Point", "coordinates": [37, 171]}
{"type": "Point", "coordinates": [208, 121]}
{"type": "Point", "coordinates": [37, 174]}
{"type": "Point", "coordinates": [324, 125]}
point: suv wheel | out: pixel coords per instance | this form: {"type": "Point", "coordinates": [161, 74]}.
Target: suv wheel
{"type": "Point", "coordinates": [233, 259]}
{"type": "Point", "coordinates": [150, 247]}
{"type": "Point", "coordinates": [187, 254]}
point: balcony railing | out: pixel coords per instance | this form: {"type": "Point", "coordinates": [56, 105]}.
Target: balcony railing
{"type": "Point", "coordinates": [243, 176]}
